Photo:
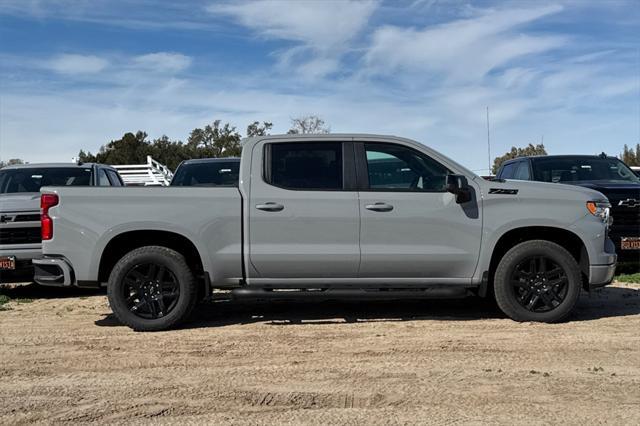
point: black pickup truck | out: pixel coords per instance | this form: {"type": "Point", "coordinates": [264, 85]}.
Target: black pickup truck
{"type": "Point", "coordinates": [608, 175]}
{"type": "Point", "coordinates": [207, 172]}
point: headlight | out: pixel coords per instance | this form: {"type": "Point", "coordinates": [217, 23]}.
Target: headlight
{"type": "Point", "coordinates": [600, 209]}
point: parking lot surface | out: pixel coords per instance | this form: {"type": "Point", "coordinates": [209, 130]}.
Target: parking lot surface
{"type": "Point", "coordinates": [65, 358]}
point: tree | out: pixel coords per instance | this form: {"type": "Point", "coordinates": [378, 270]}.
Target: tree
{"type": "Point", "coordinates": [257, 129]}
{"type": "Point", "coordinates": [86, 157]}
{"type": "Point", "coordinates": [11, 162]}
{"type": "Point", "coordinates": [168, 152]}
{"type": "Point", "coordinates": [308, 124]}
{"type": "Point", "coordinates": [518, 152]}
{"type": "Point", "coordinates": [130, 149]}
{"type": "Point", "coordinates": [215, 141]}
{"type": "Point", "coordinates": [630, 156]}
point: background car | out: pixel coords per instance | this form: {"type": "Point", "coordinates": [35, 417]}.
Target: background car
{"type": "Point", "coordinates": [608, 175]}
{"type": "Point", "coordinates": [20, 185]}
{"type": "Point", "coordinates": [207, 172]}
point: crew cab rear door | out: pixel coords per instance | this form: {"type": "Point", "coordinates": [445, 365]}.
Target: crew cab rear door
{"type": "Point", "coordinates": [304, 221]}
{"type": "Point", "coordinates": [410, 226]}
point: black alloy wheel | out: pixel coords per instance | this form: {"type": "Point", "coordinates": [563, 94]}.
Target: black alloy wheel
{"type": "Point", "coordinates": [537, 280]}
{"type": "Point", "coordinates": [151, 290]}
{"type": "Point", "coordinates": [540, 284]}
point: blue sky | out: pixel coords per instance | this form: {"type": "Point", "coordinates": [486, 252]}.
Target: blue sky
{"type": "Point", "coordinates": [76, 74]}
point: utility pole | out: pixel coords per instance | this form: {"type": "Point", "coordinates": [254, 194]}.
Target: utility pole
{"type": "Point", "coordinates": [489, 143]}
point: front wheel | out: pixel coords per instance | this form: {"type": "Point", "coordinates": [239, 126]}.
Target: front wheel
{"type": "Point", "coordinates": [152, 288]}
{"type": "Point", "coordinates": [537, 281]}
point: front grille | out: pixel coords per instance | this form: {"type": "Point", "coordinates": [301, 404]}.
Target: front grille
{"type": "Point", "coordinates": [27, 218]}
{"type": "Point", "coordinates": [626, 216]}
{"type": "Point", "coordinates": [20, 235]}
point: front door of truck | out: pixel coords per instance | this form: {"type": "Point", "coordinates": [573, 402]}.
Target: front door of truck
{"type": "Point", "coordinates": [303, 222]}
{"type": "Point", "coordinates": [410, 226]}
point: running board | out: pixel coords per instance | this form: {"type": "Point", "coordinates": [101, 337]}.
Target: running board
{"type": "Point", "coordinates": [448, 292]}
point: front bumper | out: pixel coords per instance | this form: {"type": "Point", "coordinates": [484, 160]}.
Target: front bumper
{"type": "Point", "coordinates": [601, 275]}
{"type": "Point", "coordinates": [24, 268]}
{"type": "Point", "coordinates": [602, 271]}
{"type": "Point", "coordinates": [53, 271]}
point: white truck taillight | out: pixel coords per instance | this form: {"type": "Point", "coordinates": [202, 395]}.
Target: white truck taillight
{"type": "Point", "coordinates": [46, 223]}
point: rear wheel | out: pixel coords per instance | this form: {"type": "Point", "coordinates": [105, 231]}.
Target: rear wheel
{"type": "Point", "coordinates": [537, 281]}
{"type": "Point", "coordinates": [152, 288]}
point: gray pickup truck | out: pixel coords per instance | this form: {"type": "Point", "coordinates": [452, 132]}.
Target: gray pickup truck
{"type": "Point", "coordinates": [340, 215]}
{"type": "Point", "coordinates": [20, 208]}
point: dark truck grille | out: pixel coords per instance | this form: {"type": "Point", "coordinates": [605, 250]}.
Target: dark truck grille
{"type": "Point", "coordinates": [20, 235]}
{"type": "Point", "coordinates": [626, 216]}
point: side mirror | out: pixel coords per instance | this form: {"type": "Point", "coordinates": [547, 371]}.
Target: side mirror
{"type": "Point", "coordinates": [459, 186]}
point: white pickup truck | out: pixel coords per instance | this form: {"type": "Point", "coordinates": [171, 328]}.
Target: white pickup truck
{"type": "Point", "coordinates": [340, 215]}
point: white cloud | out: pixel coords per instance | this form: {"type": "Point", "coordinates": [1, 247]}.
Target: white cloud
{"type": "Point", "coordinates": [323, 25]}
{"type": "Point", "coordinates": [163, 61]}
{"type": "Point", "coordinates": [77, 64]}
{"type": "Point", "coordinates": [322, 29]}
{"type": "Point", "coordinates": [123, 68]}
{"type": "Point", "coordinates": [466, 49]}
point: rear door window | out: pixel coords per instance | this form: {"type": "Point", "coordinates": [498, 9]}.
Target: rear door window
{"type": "Point", "coordinates": [103, 180]}
{"type": "Point", "coordinates": [114, 178]}
{"type": "Point", "coordinates": [522, 172]}
{"type": "Point", "coordinates": [305, 166]}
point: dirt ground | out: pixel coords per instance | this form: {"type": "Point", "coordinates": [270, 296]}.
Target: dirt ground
{"type": "Point", "coordinates": [64, 358]}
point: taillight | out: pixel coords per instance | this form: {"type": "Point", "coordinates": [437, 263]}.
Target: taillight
{"type": "Point", "coordinates": [46, 223]}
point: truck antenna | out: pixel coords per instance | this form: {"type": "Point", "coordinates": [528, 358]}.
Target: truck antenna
{"type": "Point", "coordinates": [488, 142]}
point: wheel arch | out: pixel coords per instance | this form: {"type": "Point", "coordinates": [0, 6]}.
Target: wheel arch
{"type": "Point", "coordinates": [563, 237]}
{"type": "Point", "coordinates": [127, 241]}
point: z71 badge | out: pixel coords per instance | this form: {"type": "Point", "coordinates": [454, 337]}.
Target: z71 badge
{"type": "Point", "coordinates": [502, 191]}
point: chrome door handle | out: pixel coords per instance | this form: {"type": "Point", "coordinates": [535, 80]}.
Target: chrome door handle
{"type": "Point", "coordinates": [270, 207]}
{"type": "Point", "coordinates": [379, 207]}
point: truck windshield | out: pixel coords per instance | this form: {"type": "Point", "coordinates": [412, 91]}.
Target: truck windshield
{"type": "Point", "coordinates": [212, 173]}
{"type": "Point", "coordinates": [577, 169]}
{"type": "Point", "coordinates": [31, 179]}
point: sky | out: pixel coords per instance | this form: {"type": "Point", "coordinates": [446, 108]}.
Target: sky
{"type": "Point", "coordinates": [77, 74]}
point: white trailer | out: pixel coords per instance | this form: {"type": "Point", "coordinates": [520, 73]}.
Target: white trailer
{"type": "Point", "coordinates": [152, 173]}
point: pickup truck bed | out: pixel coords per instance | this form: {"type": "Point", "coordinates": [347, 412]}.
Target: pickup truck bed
{"type": "Point", "coordinates": [89, 228]}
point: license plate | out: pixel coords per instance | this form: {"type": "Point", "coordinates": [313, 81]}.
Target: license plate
{"type": "Point", "coordinates": [8, 263]}
{"type": "Point", "coordinates": [630, 243]}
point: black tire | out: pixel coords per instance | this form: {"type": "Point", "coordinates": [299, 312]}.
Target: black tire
{"type": "Point", "coordinates": [548, 296]}
{"type": "Point", "coordinates": [180, 280]}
